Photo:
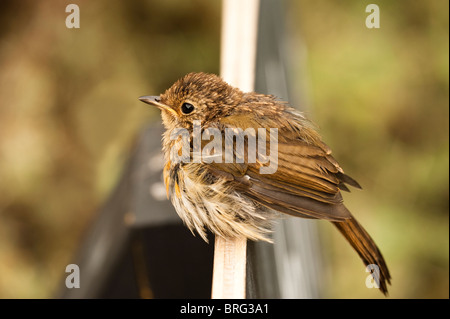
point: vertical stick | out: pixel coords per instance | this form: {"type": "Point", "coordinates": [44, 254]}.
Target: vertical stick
{"type": "Point", "coordinates": [238, 43]}
{"type": "Point", "coordinates": [230, 256]}
{"type": "Point", "coordinates": [237, 65]}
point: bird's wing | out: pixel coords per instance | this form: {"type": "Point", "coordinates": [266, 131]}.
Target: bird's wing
{"type": "Point", "coordinates": [306, 183]}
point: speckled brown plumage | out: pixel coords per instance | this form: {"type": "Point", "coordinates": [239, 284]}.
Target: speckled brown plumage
{"type": "Point", "coordinates": [235, 199]}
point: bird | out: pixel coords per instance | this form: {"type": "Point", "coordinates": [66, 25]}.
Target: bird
{"type": "Point", "coordinates": [235, 199]}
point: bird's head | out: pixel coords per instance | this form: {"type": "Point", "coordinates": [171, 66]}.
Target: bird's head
{"type": "Point", "coordinates": [195, 97]}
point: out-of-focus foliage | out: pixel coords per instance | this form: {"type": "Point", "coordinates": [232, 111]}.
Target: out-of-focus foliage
{"type": "Point", "coordinates": [69, 113]}
{"type": "Point", "coordinates": [381, 99]}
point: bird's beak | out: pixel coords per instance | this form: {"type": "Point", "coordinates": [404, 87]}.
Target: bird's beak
{"type": "Point", "coordinates": [155, 100]}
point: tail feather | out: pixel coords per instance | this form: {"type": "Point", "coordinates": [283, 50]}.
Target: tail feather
{"type": "Point", "coordinates": [366, 248]}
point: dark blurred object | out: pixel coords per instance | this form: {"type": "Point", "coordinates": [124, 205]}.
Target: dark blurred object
{"type": "Point", "coordinates": [291, 267]}
{"type": "Point", "coordinates": [138, 247]}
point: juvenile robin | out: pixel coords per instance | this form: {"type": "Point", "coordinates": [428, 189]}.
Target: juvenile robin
{"type": "Point", "coordinates": [235, 199]}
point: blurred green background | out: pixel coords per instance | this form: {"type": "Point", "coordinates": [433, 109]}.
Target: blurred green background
{"type": "Point", "coordinates": [69, 115]}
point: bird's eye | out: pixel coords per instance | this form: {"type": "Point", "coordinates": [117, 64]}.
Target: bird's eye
{"type": "Point", "coordinates": [187, 108]}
